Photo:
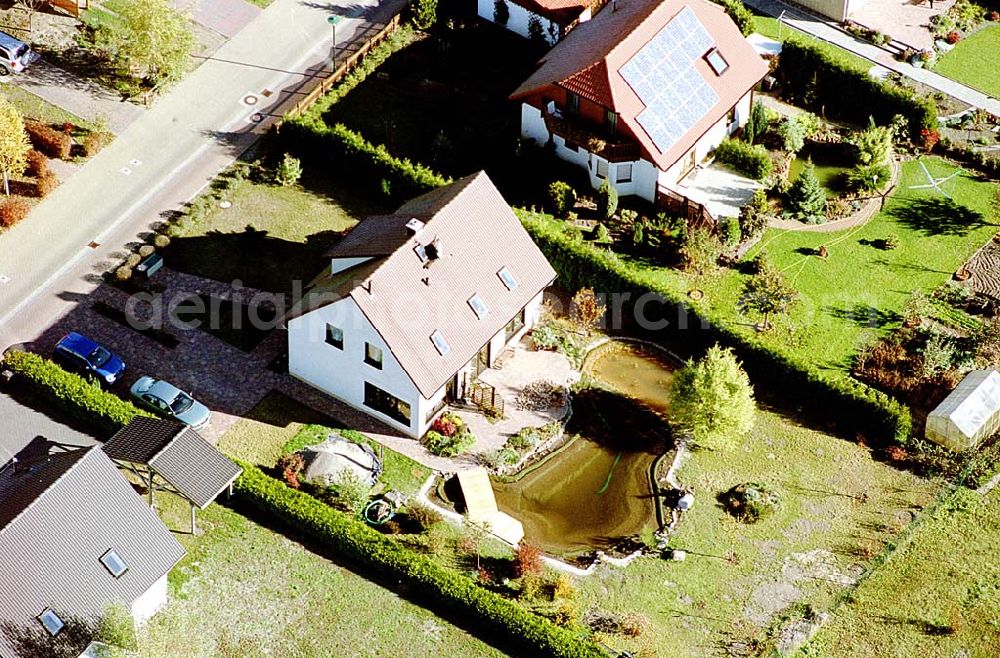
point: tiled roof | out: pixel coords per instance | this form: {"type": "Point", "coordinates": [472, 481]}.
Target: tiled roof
{"type": "Point", "coordinates": [589, 59]}
{"type": "Point", "coordinates": [50, 552]}
{"type": "Point", "coordinates": [406, 300]}
{"type": "Point", "coordinates": [176, 453]}
{"type": "Point", "coordinates": [379, 235]}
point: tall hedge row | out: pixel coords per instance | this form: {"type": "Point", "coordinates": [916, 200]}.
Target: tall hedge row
{"type": "Point", "coordinates": [853, 405]}
{"type": "Point", "coordinates": [738, 11]}
{"type": "Point", "coordinates": [423, 577]}
{"type": "Point", "coordinates": [811, 77]}
{"type": "Point", "coordinates": [81, 399]}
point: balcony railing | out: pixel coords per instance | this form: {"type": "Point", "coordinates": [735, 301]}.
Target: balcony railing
{"type": "Point", "coordinates": [590, 138]}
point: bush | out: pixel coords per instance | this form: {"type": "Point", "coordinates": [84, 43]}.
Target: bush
{"type": "Point", "coordinates": [448, 592]}
{"type": "Point", "coordinates": [953, 37]}
{"type": "Point", "coordinates": [38, 164]}
{"type": "Point", "coordinates": [607, 200]}
{"type": "Point", "coordinates": [700, 251]}
{"type": "Point", "coordinates": [562, 196]}
{"type": "Point", "coordinates": [527, 559]}
{"type": "Point", "coordinates": [49, 141]}
{"type": "Point", "coordinates": [601, 235]}
{"type": "Point", "coordinates": [750, 160]}
{"type": "Point", "coordinates": [424, 13]}
{"type": "Point", "coordinates": [811, 76]}
{"type": "Point", "coordinates": [873, 146]}
{"type": "Point", "coordinates": [424, 516]}
{"type": "Point", "coordinates": [123, 273]}
{"type": "Point", "coordinates": [46, 184]}
{"type": "Point", "coordinates": [501, 12]}
{"type": "Point", "coordinates": [291, 466]}
{"type": "Point", "coordinates": [161, 241]}
{"type": "Point", "coordinates": [116, 628]}
{"type": "Point", "coordinates": [730, 230]}
{"type": "Point", "coordinates": [753, 216]}
{"type": "Point", "coordinates": [793, 135]}
{"type": "Point", "coordinates": [757, 122]}
{"type": "Point", "coordinates": [751, 502]}
{"type": "Point", "coordinates": [146, 250]}
{"type": "Point", "coordinates": [72, 393]}
{"type": "Point", "coordinates": [93, 142]}
{"type": "Point", "coordinates": [867, 178]}
{"type": "Point", "coordinates": [806, 199]}
{"type": "Point", "coordinates": [739, 14]}
{"type": "Point", "coordinates": [288, 172]}
{"type": "Point", "coordinates": [856, 406]}
{"type": "Point", "coordinates": [12, 211]}
{"type": "Point", "coordinates": [449, 436]}
{"type": "Point", "coordinates": [349, 494]}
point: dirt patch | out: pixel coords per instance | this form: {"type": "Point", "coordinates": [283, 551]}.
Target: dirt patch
{"type": "Point", "coordinates": [770, 599]}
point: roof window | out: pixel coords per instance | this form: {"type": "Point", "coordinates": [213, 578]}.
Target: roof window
{"type": "Point", "coordinates": [439, 343]}
{"type": "Point", "coordinates": [479, 306]}
{"type": "Point", "coordinates": [507, 278]}
{"type": "Point", "coordinates": [51, 621]}
{"type": "Point", "coordinates": [716, 61]}
{"type": "Point", "coordinates": [114, 564]}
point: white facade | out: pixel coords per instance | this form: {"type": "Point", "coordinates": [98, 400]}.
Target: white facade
{"type": "Point", "coordinates": [640, 177]}
{"type": "Point", "coordinates": [343, 372]}
{"type": "Point", "coordinates": [520, 19]}
{"type": "Point", "coordinates": [148, 604]}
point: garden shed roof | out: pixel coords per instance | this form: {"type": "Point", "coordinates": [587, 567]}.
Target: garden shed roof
{"type": "Point", "coordinates": [969, 414]}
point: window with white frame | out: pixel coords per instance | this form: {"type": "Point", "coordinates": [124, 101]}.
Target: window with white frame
{"type": "Point", "coordinates": [716, 61]}
{"type": "Point", "coordinates": [623, 173]}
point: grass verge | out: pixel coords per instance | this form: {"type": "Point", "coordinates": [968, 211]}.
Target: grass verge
{"type": "Point", "coordinates": [973, 61]}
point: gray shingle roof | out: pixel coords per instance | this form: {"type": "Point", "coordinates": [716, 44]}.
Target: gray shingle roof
{"type": "Point", "coordinates": [80, 507]}
{"type": "Point", "coordinates": [178, 454]}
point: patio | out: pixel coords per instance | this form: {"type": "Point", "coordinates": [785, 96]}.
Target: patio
{"type": "Point", "coordinates": [906, 21]}
{"type": "Point", "coordinates": [720, 190]}
{"type": "Point", "coordinates": [517, 372]}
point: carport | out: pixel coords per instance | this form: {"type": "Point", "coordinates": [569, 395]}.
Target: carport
{"type": "Point", "coordinates": [170, 456]}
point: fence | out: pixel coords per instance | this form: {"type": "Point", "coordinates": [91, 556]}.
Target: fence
{"type": "Point", "coordinates": [352, 60]}
{"type": "Point", "coordinates": [695, 213]}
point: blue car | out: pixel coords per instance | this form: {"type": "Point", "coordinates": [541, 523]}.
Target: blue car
{"type": "Point", "coordinates": [88, 357]}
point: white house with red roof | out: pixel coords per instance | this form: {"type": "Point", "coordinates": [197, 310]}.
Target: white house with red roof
{"type": "Point", "coordinates": [415, 305]}
{"type": "Point", "coordinates": [642, 93]}
{"type": "Point", "coordinates": [549, 19]}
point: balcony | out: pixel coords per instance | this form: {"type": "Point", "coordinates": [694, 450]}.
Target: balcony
{"type": "Point", "coordinates": [591, 138]}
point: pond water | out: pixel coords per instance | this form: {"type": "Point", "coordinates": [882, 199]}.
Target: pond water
{"type": "Point", "coordinates": [596, 491]}
{"type": "Point", "coordinates": [831, 161]}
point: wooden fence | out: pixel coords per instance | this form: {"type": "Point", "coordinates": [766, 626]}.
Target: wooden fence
{"type": "Point", "coordinates": [695, 213]}
{"type": "Point", "coordinates": [352, 60]}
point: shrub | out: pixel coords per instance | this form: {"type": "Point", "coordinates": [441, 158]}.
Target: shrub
{"type": "Point", "coordinates": [739, 14]}
{"type": "Point", "coordinates": [757, 122]}
{"type": "Point", "coordinates": [51, 142]}
{"type": "Point", "coordinates": [535, 30]}
{"type": "Point", "coordinates": [288, 172]}
{"type": "Point", "coordinates": [586, 310]}
{"type": "Point", "coordinates": [607, 200]}
{"type": "Point", "coordinates": [349, 494]}
{"type": "Point", "coordinates": [291, 466]}
{"type": "Point", "coordinates": [146, 250]}
{"type": "Point", "coordinates": [444, 425]}
{"type": "Point", "coordinates": [793, 135]}
{"type": "Point", "coordinates": [953, 37]}
{"type": "Point", "coordinates": [527, 559]}
{"type": "Point", "coordinates": [730, 230]}
{"type": "Point", "coordinates": [873, 146]}
{"type": "Point", "coordinates": [938, 356]}
{"type": "Point", "coordinates": [123, 273]}
{"type": "Point", "coordinates": [12, 211]}
{"type": "Point", "coordinates": [449, 446]}
{"type": "Point", "coordinates": [929, 138]}
{"type": "Point", "coordinates": [116, 628]}
{"type": "Point", "coordinates": [71, 392]}
{"type": "Point", "coordinates": [751, 160]}
{"type": "Point", "coordinates": [809, 74]}
{"type": "Point", "coordinates": [38, 164]}
{"type": "Point", "coordinates": [424, 516]}
{"type": "Point", "coordinates": [700, 251]}
{"type": "Point", "coordinates": [751, 502]}
{"type": "Point", "coordinates": [601, 235]}
{"type": "Point", "coordinates": [447, 591]}
{"type": "Point", "coordinates": [562, 196]}
{"type": "Point", "coordinates": [132, 260]}
{"type": "Point", "coordinates": [93, 142]}
{"type": "Point", "coordinates": [867, 178]}
{"type": "Point", "coordinates": [46, 184]}
{"type": "Point", "coordinates": [806, 199]}
{"type": "Point", "coordinates": [753, 216]}
{"type": "Point", "coordinates": [161, 241]}
{"type": "Point", "coordinates": [810, 123]}
{"type": "Point", "coordinates": [424, 13]}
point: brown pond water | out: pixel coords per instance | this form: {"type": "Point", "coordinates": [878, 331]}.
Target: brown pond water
{"type": "Point", "coordinates": [596, 490]}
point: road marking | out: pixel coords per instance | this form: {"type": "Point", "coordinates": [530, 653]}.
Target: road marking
{"type": "Point", "coordinates": [4, 278]}
{"type": "Point", "coordinates": [94, 245]}
{"type": "Point", "coordinates": [135, 163]}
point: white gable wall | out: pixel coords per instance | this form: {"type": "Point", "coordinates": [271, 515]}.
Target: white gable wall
{"type": "Point", "coordinates": [148, 604]}
{"type": "Point", "coordinates": [343, 373]}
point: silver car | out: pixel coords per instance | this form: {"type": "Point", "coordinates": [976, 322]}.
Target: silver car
{"type": "Point", "coordinates": [15, 55]}
{"type": "Point", "coordinates": [167, 400]}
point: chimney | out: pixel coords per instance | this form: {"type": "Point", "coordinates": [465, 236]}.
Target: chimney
{"type": "Point", "coordinates": [414, 226]}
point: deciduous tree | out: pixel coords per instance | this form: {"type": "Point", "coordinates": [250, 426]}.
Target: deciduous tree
{"type": "Point", "coordinates": [152, 39]}
{"type": "Point", "coordinates": [767, 292]}
{"type": "Point", "coordinates": [14, 144]}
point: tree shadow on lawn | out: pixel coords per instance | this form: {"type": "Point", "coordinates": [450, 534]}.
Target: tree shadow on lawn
{"type": "Point", "coordinates": [937, 216]}
{"type": "Point", "coordinates": [865, 316]}
{"type": "Point", "coordinates": [252, 256]}
{"type": "Point", "coordinates": [474, 626]}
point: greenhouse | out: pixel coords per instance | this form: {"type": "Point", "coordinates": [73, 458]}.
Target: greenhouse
{"type": "Point", "coordinates": [969, 414]}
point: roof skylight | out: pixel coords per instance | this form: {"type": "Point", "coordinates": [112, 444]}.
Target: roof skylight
{"type": "Point", "coordinates": [507, 278]}
{"type": "Point", "coordinates": [439, 343]}
{"type": "Point", "coordinates": [479, 306]}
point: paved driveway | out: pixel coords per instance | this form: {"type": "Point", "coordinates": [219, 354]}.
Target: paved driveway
{"type": "Point", "coordinates": [22, 423]}
{"type": "Point", "coordinates": [227, 17]}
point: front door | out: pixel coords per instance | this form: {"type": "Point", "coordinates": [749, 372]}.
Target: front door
{"type": "Point", "coordinates": [482, 360]}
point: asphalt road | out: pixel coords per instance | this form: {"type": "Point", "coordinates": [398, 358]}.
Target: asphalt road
{"type": "Point", "coordinates": [166, 157]}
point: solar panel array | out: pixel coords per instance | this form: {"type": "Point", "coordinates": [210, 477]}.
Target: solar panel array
{"type": "Point", "coordinates": [664, 77]}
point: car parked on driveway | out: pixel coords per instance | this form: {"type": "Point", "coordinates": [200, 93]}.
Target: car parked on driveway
{"type": "Point", "coordinates": [165, 399]}
{"type": "Point", "coordinates": [15, 55]}
{"type": "Point", "coordinates": [88, 357]}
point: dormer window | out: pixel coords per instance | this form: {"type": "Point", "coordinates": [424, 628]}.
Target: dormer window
{"type": "Point", "coordinates": [507, 278]}
{"type": "Point", "coordinates": [479, 306]}
{"type": "Point", "coordinates": [114, 564]}
{"type": "Point", "coordinates": [716, 61]}
{"type": "Point", "coordinates": [51, 622]}
{"type": "Point", "coordinates": [439, 343]}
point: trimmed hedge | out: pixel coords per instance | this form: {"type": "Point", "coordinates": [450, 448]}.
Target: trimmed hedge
{"type": "Point", "coordinates": [457, 594]}
{"type": "Point", "coordinates": [71, 392]}
{"type": "Point", "coordinates": [749, 159]}
{"type": "Point", "coordinates": [351, 155]}
{"type": "Point", "coordinates": [811, 77]}
{"type": "Point", "coordinates": [738, 11]}
{"type": "Point", "coordinates": [855, 406]}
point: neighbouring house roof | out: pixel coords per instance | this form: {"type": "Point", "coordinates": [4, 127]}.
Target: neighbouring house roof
{"type": "Point", "coordinates": [562, 12]}
{"type": "Point", "coordinates": [178, 454]}
{"type": "Point", "coordinates": [407, 300]}
{"type": "Point", "coordinates": [60, 514]}
{"type": "Point", "coordinates": [599, 57]}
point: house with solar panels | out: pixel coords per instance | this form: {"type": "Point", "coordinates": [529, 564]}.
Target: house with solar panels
{"type": "Point", "coordinates": [547, 19]}
{"type": "Point", "coordinates": [642, 93]}
{"type": "Point", "coordinates": [413, 306]}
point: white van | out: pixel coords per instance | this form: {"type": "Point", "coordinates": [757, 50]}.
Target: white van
{"type": "Point", "coordinates": [15, 55]}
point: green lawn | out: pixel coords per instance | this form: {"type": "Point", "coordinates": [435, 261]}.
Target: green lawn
{"type": "Point", "coordinates": [768, 27]}
{"type": "Point", "coordinates": [937, 596]}
{"type": "Point", "coordinates": [270, 237]}
{"type": "Point", "coordinates": [973, 61]}
{"type": "Point", "coordinates": [820, 539]}
{"type": "Point", "coordinates": [245, 590]}
{"type": "Point", "coordinates": [33, 107]}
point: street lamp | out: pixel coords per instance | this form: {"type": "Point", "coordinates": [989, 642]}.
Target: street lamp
{"type": "Point", "coordinates": [333, 20]}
